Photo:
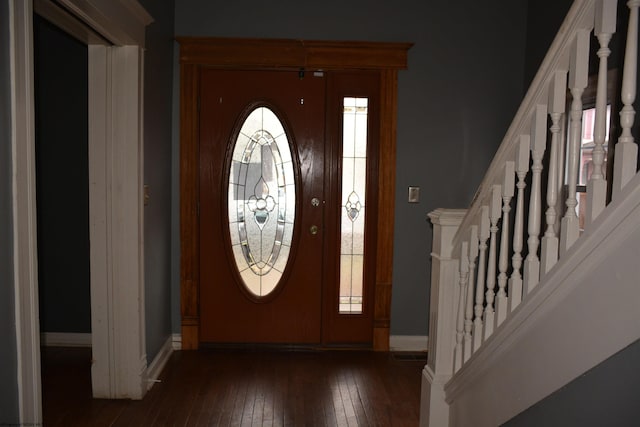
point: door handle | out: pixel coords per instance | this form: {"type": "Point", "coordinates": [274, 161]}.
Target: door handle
{"type": "Point", "coordinates": [313, 230]}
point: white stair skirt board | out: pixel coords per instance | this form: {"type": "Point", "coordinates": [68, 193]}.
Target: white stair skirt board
{"type": "Point", "coordinates": [408, 342]}
{"type": "Point", "coordinates": [157, 365]}
{"type": "Point", "coordinates": [583, 312]}
{"type": "Point", "coordinates": [65, 339]}
{"type": "Point", "coordinates": [176, 341]}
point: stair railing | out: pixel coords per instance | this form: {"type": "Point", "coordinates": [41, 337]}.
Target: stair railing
{"type": "Point", "coordinates": [524, 218]}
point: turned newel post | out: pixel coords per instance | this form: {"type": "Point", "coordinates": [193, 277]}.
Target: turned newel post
{"type": "Point", "coordinates": [445, 276]}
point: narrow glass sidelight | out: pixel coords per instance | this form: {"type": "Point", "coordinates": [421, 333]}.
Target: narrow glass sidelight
{"type": "Point", "coordinates": [261, 201]}
{"type": "Point", "coordinates": [354, 174]}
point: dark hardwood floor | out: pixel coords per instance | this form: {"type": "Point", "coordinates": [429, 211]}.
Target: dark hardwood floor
{"type": "Point", "coordinates": [225, 387]}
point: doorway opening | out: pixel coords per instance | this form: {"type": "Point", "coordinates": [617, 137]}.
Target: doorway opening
{"type": "Point", "coordinates": [123, 67]}
{"type": "Point", "coordinates": [62, 197]}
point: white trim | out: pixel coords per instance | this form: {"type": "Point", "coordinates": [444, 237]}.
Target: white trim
{"type": "Point", "coordinates": [116, 221]}
{"type": "Point", "coordinates": [99, 221]}
{"type": "Point", "coordinates": [176, 341]}
{"type": "Point", "coordinates": [122, 22]}
{"type": "Point", "coordinates": [24, 212]}
{"type": "Point", "coordinates": [408, 342]}
{"type": "Point", "coordinates": [584, 311]}
{"type": "Point", "coordinates": [67, 22]}
{"type": "Point", "coordinates": [444, 276]}
{"type": "Point", "coordinates": [118, 337]}
{"type": "Point", "coordinates": [434, 411]}
{"type": "Point", "coordinates": [126, 223]}
{"type": "Point", "coordinates": [65, 339]}
{"type": "Point", "coordinates": [159, 362]}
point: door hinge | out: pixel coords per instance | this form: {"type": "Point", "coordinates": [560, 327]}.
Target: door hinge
{"type": "Point", "coordinates": [198, 209]}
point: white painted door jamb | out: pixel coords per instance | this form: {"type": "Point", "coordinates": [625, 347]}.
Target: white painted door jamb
{"type": "Point", "coordinates": [116, 228]}
{"type": "Point", "coordinates": [116, 171]}
{"type": "Point", "coordinates": [24, 212]}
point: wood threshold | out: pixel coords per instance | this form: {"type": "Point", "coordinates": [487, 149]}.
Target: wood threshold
{"type": "Point", "coordinates": [196, 52]}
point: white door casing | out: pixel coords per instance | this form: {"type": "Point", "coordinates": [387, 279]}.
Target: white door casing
{"type": "Point", "coordinates": [116, 222]}
{"type": "Point", "coordinates": [115, 204]}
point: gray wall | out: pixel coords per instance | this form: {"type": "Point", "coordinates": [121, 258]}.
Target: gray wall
{"type": "Point", "coordinates": [62, 179]}
{"type": "Point", "coordinates": [157, 173]}
{"type": "Point", "coordinates": [607, 395]}
{"type": "Point", "coordinates": [456, 100]}
{"type": "Point", "coordinates": [544, 18]}
{"type": "Point", "coordinates": [8, 358]}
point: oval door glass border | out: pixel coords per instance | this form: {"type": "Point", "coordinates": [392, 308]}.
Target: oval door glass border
{"type": "Point", "coordinates": [261, 200]}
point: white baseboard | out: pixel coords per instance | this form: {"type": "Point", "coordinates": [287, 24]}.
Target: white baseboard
{"type": "Point", "coordinates": [176, 341]}
{"type": "Point", "coordinates": [157, 365]}
{"type": "Point", "coordinates": [65, 339]}
{"type": "Point", "coordinates": [408, 342]}
{"type": "Point", "coordinates": [396, 342]}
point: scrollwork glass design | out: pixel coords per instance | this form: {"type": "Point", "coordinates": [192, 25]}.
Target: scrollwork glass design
{"type": "Point", "coordinates": [354, 174]}
{"type": "Point", "coordinates": [261, 201]}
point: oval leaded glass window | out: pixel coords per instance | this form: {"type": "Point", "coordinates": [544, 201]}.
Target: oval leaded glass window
{"type": "Point", "coordinates": [261, 201]}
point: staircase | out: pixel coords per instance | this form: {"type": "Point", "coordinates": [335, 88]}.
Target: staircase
{"type": "Point", "coordinates": [538, 281]}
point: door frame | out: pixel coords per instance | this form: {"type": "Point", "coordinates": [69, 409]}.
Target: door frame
{"type": "Point", "coordinates": [115, 126]}
{"type": "Point", "coordinates": [229, 53]}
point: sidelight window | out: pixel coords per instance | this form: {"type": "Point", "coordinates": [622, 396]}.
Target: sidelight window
{"type": "Point", "coordinates": [354, 174]}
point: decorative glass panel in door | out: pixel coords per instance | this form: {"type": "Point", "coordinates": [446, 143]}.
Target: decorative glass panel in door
{"type": "Point", "coordinates": [354, 176]}
{"type": "Point", "coordinates": [261, 201]}
{"type": "Point", "coordinates": [261, 153]}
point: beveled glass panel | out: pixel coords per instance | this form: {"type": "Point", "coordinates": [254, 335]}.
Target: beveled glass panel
{"type": "Point", "coordinates": [261, 201]}
{"type": "Point", "coordinates": [354, 174]}
{"type": "Point", "coordinates": [354, 177]}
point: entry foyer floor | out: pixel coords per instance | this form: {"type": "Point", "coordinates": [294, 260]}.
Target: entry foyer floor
{"type": "Point", "coordinates": [225, 387]}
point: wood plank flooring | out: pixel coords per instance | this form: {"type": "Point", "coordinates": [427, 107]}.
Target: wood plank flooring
{"type": "Point", "coordinates": [225, 387]}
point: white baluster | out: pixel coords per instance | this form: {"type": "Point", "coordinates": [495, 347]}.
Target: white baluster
{"type": "Point", "coordinates": [578, 76]}
{"type": "Point", "coordinates": [468, 317]}
{"type": "Point", "coordinates": [522, 167]}
{"type": "Point", "coordinates": [538, 144]}
{"type": "Point", "coordinates": [560, 176]}
{"type": "Point", "coordinates": [464, 276]}
{"type": "Point", "coordinates": [557, 96]}
{"type": "Point", "coordinates": [605, 26]}
{"type": "Point", "coordinates": [482, 263]}
{"type": "Point", "coordinates": [494, 217]}
{"type": "Point", "coordinates": [626, 156]}
{"type": "Point", "coordinates": [508, 184]}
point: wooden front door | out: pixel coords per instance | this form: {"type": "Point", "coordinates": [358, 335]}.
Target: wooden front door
{"type": "Point", "coordinates": [383, 59]}
{"type": "Point", "coordinates": [284, 206]}
{"type": "Point", "coordinates": [261, 206]}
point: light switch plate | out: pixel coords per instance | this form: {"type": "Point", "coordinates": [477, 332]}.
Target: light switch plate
{"type": "Point", "coordinates": [414, 194]}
